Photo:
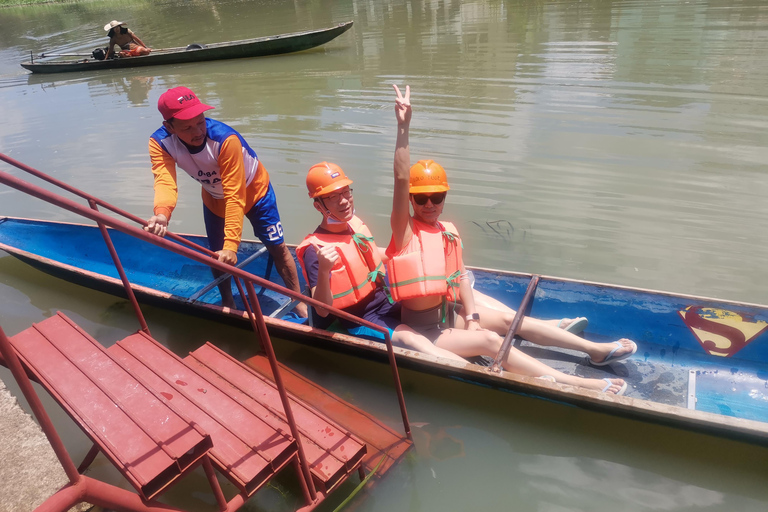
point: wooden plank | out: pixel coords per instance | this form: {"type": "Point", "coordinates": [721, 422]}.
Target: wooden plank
{"type": "Point", "coordinates": [382, 441]}
{"type": "Point", "coordinates": [249, 445]}
{"type": "Point", "coordinates": [333, 453]}
{"type": "Point", "coordinates": [149, 443]}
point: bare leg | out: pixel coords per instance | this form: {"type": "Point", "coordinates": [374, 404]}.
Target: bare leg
{"type": "Point", "coordinates": [225, 289]}
{"type": "Point", "coordinates": [488, 302]}
{"type": "Point", "coordinates": [409, 338]}
{"type": "Point", "coordinates": [286, 267]}
{"type": "Point", "coordinates": [472, 343]}
{"type": "Point", "coordinates": [547, 333]}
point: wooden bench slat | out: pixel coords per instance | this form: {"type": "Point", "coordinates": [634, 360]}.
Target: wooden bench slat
{"type": "Point", "coordinates": [381, 440]}
{"type": "Point", "coordinates": [331, 451]}
{"type": "Point", "coordinates": [249, 444]}
{"type": "Point", "coordinates": [145, 439]}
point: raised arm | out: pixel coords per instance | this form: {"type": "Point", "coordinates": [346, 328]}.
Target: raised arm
{"type": "Point", "coordinates": [401, 208]}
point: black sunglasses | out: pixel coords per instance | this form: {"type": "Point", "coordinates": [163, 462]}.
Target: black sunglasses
{"type": "Point", "coordinates": [421, 199]}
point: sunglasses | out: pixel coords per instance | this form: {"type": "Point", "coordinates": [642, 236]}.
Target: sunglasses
{"type": "Point", "coordinates": [421, 199]}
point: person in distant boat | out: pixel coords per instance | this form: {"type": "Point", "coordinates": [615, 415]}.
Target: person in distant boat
{"type": "Point", "coordinates": [129, 43]}
{"type": "Point", "coordinates": [427, 275]}
{"type": "Point", "coordinates": [235, 184]}
{"type": "Point", "coordinates": [343, 267]}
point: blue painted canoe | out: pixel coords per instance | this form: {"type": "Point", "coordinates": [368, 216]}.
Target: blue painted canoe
{"type": "Point", "coordinates": [702, 363]}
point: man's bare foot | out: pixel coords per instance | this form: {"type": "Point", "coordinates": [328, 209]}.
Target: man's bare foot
{"type": "Point", "coordinates": [606, 353]}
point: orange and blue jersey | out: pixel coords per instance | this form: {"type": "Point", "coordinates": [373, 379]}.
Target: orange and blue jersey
{"type": "Point", "coordinates": [232, 177]}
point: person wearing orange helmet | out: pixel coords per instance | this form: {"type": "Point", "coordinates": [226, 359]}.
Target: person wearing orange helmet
{"type": "Point", "coordinates": [343, 267]}
{"type": "Point", "coordinates": [427, 275]}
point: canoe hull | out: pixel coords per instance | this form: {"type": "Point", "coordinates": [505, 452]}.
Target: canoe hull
{"type": "Point", "coordinates": [659, 374]}
{"type": "Point", "coordinates": [259, 47]}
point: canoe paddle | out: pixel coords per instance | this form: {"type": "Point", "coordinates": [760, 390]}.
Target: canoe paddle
{"type": "Point", "coordinates": [44, 55]}
{"type": "Point", "coordinates": [521, 312]}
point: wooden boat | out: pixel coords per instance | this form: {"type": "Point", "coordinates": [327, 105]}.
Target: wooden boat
{"type": "Point", "coordinates": [257, 47]}
{"type": "Point", "coordinates": [702, 363]}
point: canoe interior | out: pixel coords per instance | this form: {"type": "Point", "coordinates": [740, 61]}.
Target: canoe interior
{"type": "Point", "coordinates": [145, 264]}
{"type": "Point", "coordinates": [717, 348]}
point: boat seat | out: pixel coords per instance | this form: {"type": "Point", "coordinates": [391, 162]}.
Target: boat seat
{"type": "Point", "coordinates": [149, 441]}
{"type": "Point", "coordinates": [243, 413]}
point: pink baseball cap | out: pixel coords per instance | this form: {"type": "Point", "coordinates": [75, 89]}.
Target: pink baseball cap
{"type": "Point", "coordinates": [180, 103]}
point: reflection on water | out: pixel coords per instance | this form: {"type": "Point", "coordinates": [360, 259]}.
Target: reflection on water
{"type": "Point", "coordinates": [617, 141]}
{"type": "Point", "coordinates": [614, 141]}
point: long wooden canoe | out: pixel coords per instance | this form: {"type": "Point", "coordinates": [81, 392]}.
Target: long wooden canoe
{"type": "Point", "coordinates": [702, 363]}
{"type": "Point", "coordinates": [257, 47]}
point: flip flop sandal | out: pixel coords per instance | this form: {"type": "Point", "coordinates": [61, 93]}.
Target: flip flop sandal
{"type": "Point", "coordinates": [610, 358]}
{"type": "Point", "coordinates": [609, 384]}
{"type": "Point", "coordinates": [576, 326]}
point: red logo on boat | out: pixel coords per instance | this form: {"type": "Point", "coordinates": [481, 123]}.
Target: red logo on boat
{"type": "Point", "coordinates": [721, 332]}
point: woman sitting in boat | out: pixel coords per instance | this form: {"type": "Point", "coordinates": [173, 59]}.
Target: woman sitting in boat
{"type": "Point", "coordinates": [129, 43]}
{"type": "Point", "coordinates": [427, 275]}
{"type": "Point", "coordinates": [342, 265]}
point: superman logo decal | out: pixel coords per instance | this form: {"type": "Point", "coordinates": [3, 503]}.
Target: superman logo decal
{"type": "Point", "coordinates": [721, 332]}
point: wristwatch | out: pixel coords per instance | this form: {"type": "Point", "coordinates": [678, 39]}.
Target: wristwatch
{"type": "Point", "coordinates": [473, 316]}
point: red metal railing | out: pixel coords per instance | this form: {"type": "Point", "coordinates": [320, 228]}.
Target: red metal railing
{"type": "Point", "coordinates": [199, 254]}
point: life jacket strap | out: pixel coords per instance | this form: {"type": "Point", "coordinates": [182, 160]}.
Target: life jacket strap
{"type": "Point", "coordinates": [362, 242]}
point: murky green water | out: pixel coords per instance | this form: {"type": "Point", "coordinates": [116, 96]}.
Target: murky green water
{"type": "Point", "coordinates": [618, 141]}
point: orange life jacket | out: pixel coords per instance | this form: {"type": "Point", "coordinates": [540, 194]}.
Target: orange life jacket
{"type": "Point", "coordinates": [429, 265]}
{"type": "Point", "coordinates": [133, 52]}
{"type": "Point", "coordinates": [354, 275]}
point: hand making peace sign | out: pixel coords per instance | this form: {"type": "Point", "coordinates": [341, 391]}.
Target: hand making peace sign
{"type": "Point", "coordinates": [403, 105]}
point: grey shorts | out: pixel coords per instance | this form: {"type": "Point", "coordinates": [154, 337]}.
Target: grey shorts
{"type": "Point", "coordinates": [429, 322]}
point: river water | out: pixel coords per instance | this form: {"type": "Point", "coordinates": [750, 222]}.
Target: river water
{"type": "Point", "coordinates": [615, 141]}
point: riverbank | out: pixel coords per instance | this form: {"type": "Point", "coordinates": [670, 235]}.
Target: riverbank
{"type": "Point", "coordinates": [29, 469]}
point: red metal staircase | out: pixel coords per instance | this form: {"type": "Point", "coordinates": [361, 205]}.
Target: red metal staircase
{"type": "Point", "coordinates": [157, 416]}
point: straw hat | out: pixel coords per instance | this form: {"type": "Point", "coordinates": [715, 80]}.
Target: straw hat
{"type": "Point", "coordinates": [112, 24]}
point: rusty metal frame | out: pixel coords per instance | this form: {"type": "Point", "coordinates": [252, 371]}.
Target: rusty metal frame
{"type": "Point", "coordinates": [82, 488]}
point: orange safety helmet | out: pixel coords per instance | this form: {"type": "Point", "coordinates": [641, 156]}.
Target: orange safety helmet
{"type": "Point", "coordinates": [324, 178]}
{"type": "Point", "coordinates": [428, 176]}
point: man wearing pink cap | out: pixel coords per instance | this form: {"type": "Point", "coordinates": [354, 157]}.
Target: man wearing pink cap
{"type": "Point", "coordinates": [235, 184]}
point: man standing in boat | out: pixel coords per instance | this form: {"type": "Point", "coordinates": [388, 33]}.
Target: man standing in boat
{"type": "Point", "coordinates": [129, 43]}
{"type": "Point", "coordinates": [343, 267]}
{"type": "Point", "coordinates": [427, 274]}
{"type": "Point", "coordinates": [235, 184]}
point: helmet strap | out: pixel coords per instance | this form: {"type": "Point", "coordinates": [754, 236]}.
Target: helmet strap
{"type": "Point", "coordinates": [329, 218]}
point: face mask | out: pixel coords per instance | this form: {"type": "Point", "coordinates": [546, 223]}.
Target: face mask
{"type": "Point", "coordinates": [332, 220]}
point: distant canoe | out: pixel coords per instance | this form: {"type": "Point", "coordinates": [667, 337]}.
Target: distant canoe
{"type": "Point", "coordinates": [702, 363]}
{"type": "Point", "coordinates": [258, 47]}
